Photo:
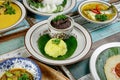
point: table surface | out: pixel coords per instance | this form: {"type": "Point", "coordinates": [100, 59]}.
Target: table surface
{"type": "Point", "coordinates": [101, 34]}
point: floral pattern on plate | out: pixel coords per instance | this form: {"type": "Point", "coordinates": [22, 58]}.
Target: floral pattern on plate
{"type": "Point", "coordinates": [23, 63]}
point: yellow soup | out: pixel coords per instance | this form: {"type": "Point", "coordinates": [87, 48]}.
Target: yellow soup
{"type": "Point", "coordinates": [7, 20]}
{"type": "Point", "coordinates": [17, 74]}
{"type": "Point", "coordinates": [90, 10]}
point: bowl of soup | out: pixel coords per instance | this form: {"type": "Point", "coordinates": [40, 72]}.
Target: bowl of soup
{"type": "Point", "coordinates": [19, 69]}
{"type": "Point", "coordinates": [11, 14]}
{"type": "Point", "coordinates": [99, 12]}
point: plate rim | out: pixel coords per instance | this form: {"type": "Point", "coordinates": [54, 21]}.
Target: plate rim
{"type": "Point", "coordinates": [23, 10]}
{"type": "Point", "coordinates": [25, 2]}
{"type": "Point", "coordinates": [96, 53]}
{"type": "Point", "coordinates": [60, 62]}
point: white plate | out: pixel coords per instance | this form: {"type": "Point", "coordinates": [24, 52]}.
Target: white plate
{"type": "Point", "coordinates": [82, 36]}
{"type": "Point", "coordinates": [69, 6]}
{"type": "Point", "coordinates": [99, 57]}
{"type": "Point", "coordinates": [23, 14]}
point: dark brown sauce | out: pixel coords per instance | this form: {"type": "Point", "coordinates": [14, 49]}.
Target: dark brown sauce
{"type": "Point", "coordinates": [117, 69]}
{"type": "Point", "coordinates": [61, 24]}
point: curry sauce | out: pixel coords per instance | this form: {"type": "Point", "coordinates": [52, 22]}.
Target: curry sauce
{"type": "Point", "coordinates": [7, 20]}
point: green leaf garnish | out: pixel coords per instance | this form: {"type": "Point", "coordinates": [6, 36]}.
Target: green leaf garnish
{"type": "Point", "coordinates": [24, 77]}
{"type": "Point", "coordinates": [36, 4]}
{"type": "Point", "coordinates": [9, 9]}
{"type": "Point", "coordinates": [56, 41]}
{"type": "Point", "coordinates": [64, 3]}
{"type": "Point", "coordinates": [59, 17]}
{"type": "Point", "coordinates": [101, 17]}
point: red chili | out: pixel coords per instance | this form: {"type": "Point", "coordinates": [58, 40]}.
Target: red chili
{"type": "Point", "coordinates": [95, 11]}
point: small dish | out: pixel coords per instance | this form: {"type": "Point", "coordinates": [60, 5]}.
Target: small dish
{"type": "Point", "coordinates": [22, 16]}
{"type": "Point", "coordinates": [68, 7]}
{"type": "Point", "coordinates": [96, 13]}
{"type": "Point", "coordinates": [62, 32]}
{"type": "Point", "coordinates": [99, 58]}
{"type": "Point", "coordinates": [20, 63]}
{"type": "Point", "coordinates": [82, 36]}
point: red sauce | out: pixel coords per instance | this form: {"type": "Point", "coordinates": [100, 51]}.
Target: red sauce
{"type": "Point", "coordinates": [117, 69]}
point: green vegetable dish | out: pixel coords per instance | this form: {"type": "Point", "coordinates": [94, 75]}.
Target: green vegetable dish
{"type": "Point", "coordinates": [17, 74]}
{"type": "Point", "coordinates": [55, 48]}
{"type": "Point", "coordinates": [98, 11]}
{"type": "Point", "coordinates": [48, 6]}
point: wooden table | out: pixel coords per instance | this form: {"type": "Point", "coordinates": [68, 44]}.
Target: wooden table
{"type": "Point", "coordinates": [109, 38]}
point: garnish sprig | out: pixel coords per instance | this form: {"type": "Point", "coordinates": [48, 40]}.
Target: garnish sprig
{"type": "Point", "coordinates": [6, 8]}
{"type": "Point", "coordinates": [59, 17]}
{"type": "Point", "coordinates": [101, 17]}
{"type": "Point", "coordinates": [9, 9]}
{"type": "Point", "coordinates": [56, 41]}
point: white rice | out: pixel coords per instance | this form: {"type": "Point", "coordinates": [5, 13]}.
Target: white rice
{"type": "Point", "coordinates": [52, 2]}
{"type": "Point", "coordinates": [49, 5]}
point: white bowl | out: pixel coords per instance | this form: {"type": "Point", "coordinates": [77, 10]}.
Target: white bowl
{"type": "Point", "coordinates": [23, 14]}
{"type": "Point", "coordinates": [98, 1]}
{"type": "Point", "coordinates": [69, 6]}
{"type": "Point", "coordinates": [60, 33]}
{"type": "Point", "coordinates": [99, 57]}
{"type": "Point", "coordinates": [82, 36]}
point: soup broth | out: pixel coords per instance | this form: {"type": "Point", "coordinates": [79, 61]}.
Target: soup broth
{"type": "Point", "coordinates": [17, 74]}
{"type": "Point", "coordinates": [7, 20]}
{"type": "Point", "coordinates": [98, 11]}
{"type": "Point", "coordinates": [89, 6]}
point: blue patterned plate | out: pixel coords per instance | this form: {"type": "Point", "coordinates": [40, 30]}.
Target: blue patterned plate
{"type": "Point", "coordinates": [22, 63]}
